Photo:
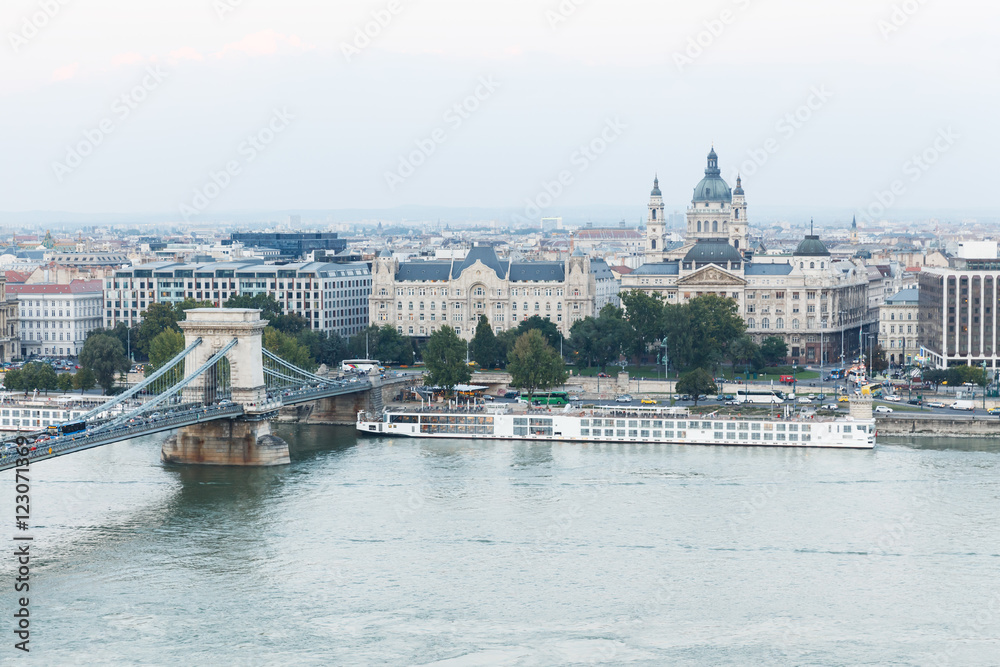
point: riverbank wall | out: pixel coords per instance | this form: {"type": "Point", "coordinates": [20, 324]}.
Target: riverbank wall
{"type": "Point", "coordinates": [924, 427]}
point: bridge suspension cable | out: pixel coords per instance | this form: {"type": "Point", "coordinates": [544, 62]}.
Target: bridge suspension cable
{"type": "Point", "coordinates": [174, 392]}
{"type": "Point", "coordinates": [281, 373]}
{"type": "Point", "coordinates": [144, 385]}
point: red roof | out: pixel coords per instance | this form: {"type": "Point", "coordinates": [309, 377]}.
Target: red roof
{"type": "Point", "coordinates": [75, 287]}
{"type": "Point", "coordinates": [622, 270]}
{"type": "Point", "coordinates": [16, 276]}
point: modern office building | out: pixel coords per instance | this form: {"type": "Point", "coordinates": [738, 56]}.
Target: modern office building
{"type": "Point", "coordinates": [290, 246]}
{"type": "Point", "coordinates": [332, 297]}
{"type": "Point", "coordinates": [958, 312]}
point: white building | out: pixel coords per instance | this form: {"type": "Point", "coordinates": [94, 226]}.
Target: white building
{"type": "Point", "coordinates": [56, 319]}
{"type": "Point", "coordinates": [331, 297]}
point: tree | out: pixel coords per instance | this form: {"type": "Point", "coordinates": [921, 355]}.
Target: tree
{"type": "Point", "coordinates": [959, 375]}
{"type": "Point", "coordinates": [534, 365]}
{"type": "Point", "coordinates": [164, 347]}
{"type": "Point", "coordinates": [644, 314]}
{"type": "Point", "coordinates": [65, 383]}
{"type": "Point", "coordinates": [105, 356]}
{"type": "Point", "coordinates": [697, 383]}
{"type": "Point", "coordinates": [156, 319]}
{"type": "Point", "coordinates": [743, 351]}
{"type": "Point", "coordinates": [445, 360]}
{"type": "Point", "coordinates": [84, 380]}
{"type": "Point", "coordinates": [715, 324]}
{"type": "Point", "coordinates": [774, 350]}
{"type": "Point", "coordinates": [546, 326]}
{"type": "Point", "coordinates": [485, 348]}
{"type": "Point", "coordinates": [288, 348]}
{"type": "Point", "coordinates": [599, 341]}
{"type": "Point", "coordinates": [879, 362]}
{"type": "Point", "coordinates": [382, 343]}
{"type": "Point", "coordinates": [14, 380]}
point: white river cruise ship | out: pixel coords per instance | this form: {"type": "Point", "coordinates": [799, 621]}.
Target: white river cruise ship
{"type": "Point", "coordinates": [613, 424]}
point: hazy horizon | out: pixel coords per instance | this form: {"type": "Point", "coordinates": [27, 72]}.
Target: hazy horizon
{"type": "Point", "coordinates": [821, 109]}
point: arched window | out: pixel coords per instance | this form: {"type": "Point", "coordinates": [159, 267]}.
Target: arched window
{"type": "Point", "coordinates": [737, 214]}
{"type": "Point", "coordinates": [780, 323]}
{"type": "Point", "coordinates": [715, 225]}
{"type": "Point", "coordinates": [654, 214]}
{"type": "Point", "coordinates": [802, 265]}
{"type": "Point", "coordinates": [795, 323]}
{"type": "Point", "coordinates": [893, 316]}
{"type": "Point", "coordinates": [751, 323]}
{"type": "Point", "coordinates": [699, 225]}
{"type": "Point", "coordinates": [812, 265]}
{"type": "Point", "coordinates": [822, 265]}
{"type": "Point", "coordinates": [654, 244]}
{"type": "Point", "coordinates": [765, 323]}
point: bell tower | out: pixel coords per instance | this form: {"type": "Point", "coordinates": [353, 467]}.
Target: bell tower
{"type": "Point", "coordinates": [655, 224]}
{"type": "Point", "coordinates": [738, 232]}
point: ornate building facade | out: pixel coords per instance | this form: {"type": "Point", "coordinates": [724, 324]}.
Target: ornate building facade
{"type": "Point", "coordinates": [418, 297]}
{"type": "Point", "coordinates": [818, 306]}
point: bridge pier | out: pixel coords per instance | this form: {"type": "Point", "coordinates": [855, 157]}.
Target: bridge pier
{"type": "Point", "coordinates": [226, 442]}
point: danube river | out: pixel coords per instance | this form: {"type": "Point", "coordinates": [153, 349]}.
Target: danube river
{"type": "Point", "coordinates": [409, 552]}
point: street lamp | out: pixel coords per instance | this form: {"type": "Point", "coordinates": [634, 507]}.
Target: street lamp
{"type": "Point", "coordinates": [842, 313]}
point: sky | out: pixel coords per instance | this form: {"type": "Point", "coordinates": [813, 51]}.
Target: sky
{"type": "Point", "coordinates": [192, 108]}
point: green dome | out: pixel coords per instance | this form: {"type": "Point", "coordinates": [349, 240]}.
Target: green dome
{"type": "Point", "coordinates": [811, 246]}
{"type": "Point", "coordinates": [713, 188]}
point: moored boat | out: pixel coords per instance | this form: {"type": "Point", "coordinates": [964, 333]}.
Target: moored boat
{"type": "Point", "coordinates": [629, 424]}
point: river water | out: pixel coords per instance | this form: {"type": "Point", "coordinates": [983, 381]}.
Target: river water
{"type": "Point", "coordinates": [414, 552]}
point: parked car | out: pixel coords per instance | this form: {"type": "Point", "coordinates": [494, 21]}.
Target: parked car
{"type": "Point", "coordinates": [603, 375]}
{"type": "Point", "coordinates": [511, 394]}
{"type": "Point", "coordinates": [732, 401]}
{"type": "Point", "coordinates": [623, 398]}
{"type": "Point", "coordinates": [883, 409]}
{"type": "Point", "coordinates": [831, 406]}
{"type": "Point", "coordinates": [720, 397]}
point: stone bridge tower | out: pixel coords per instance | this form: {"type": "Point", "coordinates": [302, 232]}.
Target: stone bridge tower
{"type": "Point", "coordinates": [244, 440]}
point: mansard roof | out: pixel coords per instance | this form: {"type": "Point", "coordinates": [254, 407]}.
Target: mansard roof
{"type": "Point", "coordinates": [485, 254]}
{"type": "Point", "coordinates": [768, 269]}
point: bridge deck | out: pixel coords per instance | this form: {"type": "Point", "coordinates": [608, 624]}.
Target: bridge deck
{"type": "Point", "coordinates": [98, 436]}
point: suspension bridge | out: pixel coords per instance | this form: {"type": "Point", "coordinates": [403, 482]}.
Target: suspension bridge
{"type": "Point", "coordinates": [220, 394]}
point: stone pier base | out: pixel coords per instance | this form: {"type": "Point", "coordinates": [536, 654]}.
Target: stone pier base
{"type": "Point", "coordinates": [226, 442]}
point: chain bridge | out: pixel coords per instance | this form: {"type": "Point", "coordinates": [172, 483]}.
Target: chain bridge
{"type": "Point", "coordinates": [219, 394]}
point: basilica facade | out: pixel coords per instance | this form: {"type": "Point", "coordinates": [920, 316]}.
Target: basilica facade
{"type": "Point", "coordinates": [818, 306]}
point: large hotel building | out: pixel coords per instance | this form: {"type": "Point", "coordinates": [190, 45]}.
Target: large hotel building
{"type": "Point", "coordinates": [332, 297]}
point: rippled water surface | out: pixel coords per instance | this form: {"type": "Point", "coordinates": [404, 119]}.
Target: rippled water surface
{"type": "Point", "coordinates": [414, 552]}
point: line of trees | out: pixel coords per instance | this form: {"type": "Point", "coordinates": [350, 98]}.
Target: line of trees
{"type": "Point", "coordinates": [37, 376]}
{"type": "Point", "coordinates": [533, 363]}
{"type": "Point", "coordinates": [702, 333]}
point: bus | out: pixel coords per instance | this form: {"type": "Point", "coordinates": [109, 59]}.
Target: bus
{"type": "Point", "coordinates": [837, 374]}
{"type": "Point", "coordinates": [360, 366]}
{"type": "Point", "coordinates": [67, 428]}
{"type": "Point", "coordinates": [760, 396]}
{"type": "Point", "coordinates": [873, 390]}
{"type": "Point", "coordinates": [548, 398]}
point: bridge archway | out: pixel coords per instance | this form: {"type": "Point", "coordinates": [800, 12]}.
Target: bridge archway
{"type": "Point", "coordinates": [240, 375]}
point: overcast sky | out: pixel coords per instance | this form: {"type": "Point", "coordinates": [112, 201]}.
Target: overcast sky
{"type": "Point", "coordinates": [332, 117]}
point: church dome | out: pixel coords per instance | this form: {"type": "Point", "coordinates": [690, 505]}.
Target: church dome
{"type": "Point", "coordinates": [713, 188]}
{"type": "Point", "coordinates": [811, 246]}
{"type": "Point", "coordinates": [713, 251]}
{"type": "Point", "coordinates": [656, 188]}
